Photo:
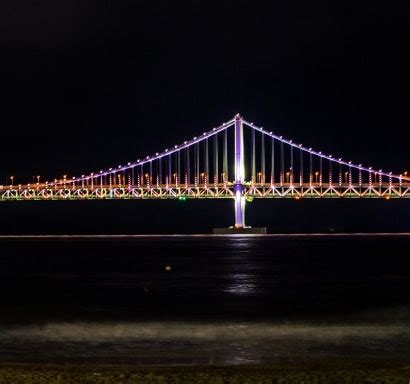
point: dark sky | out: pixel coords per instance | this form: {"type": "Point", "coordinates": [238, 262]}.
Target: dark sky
{"type": "Point", "coordinates": [86, 85]}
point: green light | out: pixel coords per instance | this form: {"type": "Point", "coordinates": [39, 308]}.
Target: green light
{"type": "Point", "coordinates": [249, 199]}
{"type": "Point", "coordinates": [182, 198]}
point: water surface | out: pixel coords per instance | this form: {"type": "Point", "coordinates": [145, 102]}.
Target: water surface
{"type": "Point", "coordinates": [203, 299]}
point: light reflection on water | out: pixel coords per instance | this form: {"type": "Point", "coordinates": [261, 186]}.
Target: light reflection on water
{"type": "Point", "coordinates": [264, 289]}
{"type": "Point", "coordinates": [241, 284]}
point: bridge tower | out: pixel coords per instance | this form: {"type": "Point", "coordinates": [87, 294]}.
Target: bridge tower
{"type": "Point", "coordinates": [239, 187]}
{"type": "Point", "coordinates": [239, 174]}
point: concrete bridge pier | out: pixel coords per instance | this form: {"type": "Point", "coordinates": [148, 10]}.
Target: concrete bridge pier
{"type": "Point", "coordinates": [239, 207]}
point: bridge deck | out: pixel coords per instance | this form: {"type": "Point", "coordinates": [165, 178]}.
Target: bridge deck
{"type": "Point", "coordinates": [221, 190]}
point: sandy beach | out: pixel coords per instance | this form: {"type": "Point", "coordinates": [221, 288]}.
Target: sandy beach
{"type": "Point", "coordinates": [329, 371]}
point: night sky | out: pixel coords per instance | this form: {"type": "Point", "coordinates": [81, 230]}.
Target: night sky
{"type": "Point", "coordinates": [86, 85]}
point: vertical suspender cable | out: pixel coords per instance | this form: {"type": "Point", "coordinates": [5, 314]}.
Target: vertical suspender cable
{"type": "Point", "coordinates": [282, 163]}
{"type": "Point", "coordinates": [150, 173]}
{"type": "Point", "coordinates": [179, 166]}
{"type": "Point", "coordinates": [206, 170]}
{"type": "Point", "coordinates": [321, 171]}
{"type": "Point", "coordinates": [330, 172]}
{"type": "Point", "coordinates": [166, 181]}
{"type": "Point", "coordinates": [291, 165]}
{"type": "Point", "coordinates": [272, 169]}
{"type": "Point", "coordinates": [263, 159]}
{"type": "Point", "coordinates": [188, 168]}
{"type": "Point", "coordinates": [133, 176]}
{"type": "Point", "coordinates": [301, 168]}
{"type": "Point", "coordinates": [169, 169]}
{"type": "Point", "coordinates": [176, 168]}
{"type": "Point", "coordinates": [160, 170]}
{"type": "Point", "coordinates": [253, 157]}
{"type": "Point", "coordinates": [225, 157]}
{"type": "Point", "coordinates": [310, 169]}
{"type": "Point", "coordinates": [157, 173]}
{"type": "Point", "coordinates": [196, 162]}
{"type": "Point", "coordinates": [360, 177]}
{"type": "Point", "coordinates": [216, 159]}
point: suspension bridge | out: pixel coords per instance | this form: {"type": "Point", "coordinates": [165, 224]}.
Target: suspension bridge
{"type": "Point", "coordinates": [236, 160]}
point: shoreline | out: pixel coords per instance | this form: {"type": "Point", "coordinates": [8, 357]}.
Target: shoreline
{"type": "Point", "coordinates": [272, 235]}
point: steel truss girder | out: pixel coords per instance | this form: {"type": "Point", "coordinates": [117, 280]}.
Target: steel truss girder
{"type": "Point", "coordinates": [214, 191]}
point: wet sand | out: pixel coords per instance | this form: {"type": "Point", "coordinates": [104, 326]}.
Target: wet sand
{"type": "Point", "coordinates": [324, 371]}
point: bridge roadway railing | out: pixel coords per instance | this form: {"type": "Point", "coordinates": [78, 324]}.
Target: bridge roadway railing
{"type": "Point", "coordinates": [201, 191]}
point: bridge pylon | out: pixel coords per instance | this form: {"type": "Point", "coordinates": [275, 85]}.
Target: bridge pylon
{"type": "Point", "coordinates": [239, 187]}
{"type": "Point", "coordinates": [239, 174]}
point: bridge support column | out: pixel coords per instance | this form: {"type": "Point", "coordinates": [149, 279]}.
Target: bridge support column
{"type": "Point", "coordinates": [239, 209]}
{"type": "Point", "coordinates": [239, 174]}
{"type": "Point", "coordinates": [239, 187]}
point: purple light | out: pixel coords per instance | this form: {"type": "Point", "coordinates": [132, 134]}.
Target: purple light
{"type": "Point", "coordinates": [225, 125]}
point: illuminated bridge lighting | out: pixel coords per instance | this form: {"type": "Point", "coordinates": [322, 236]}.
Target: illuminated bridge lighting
{"type": "Point", "coordinates": [236, 160]}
